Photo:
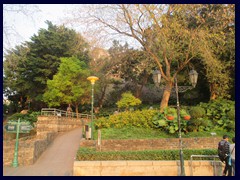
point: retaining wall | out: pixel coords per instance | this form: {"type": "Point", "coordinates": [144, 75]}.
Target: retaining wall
{"type": "Point", "coordinates": [145, 168]}
{"type": "Point", "coordinates": [151, 144]}
{"type": "Point", "coordinates": [58, 124]}
{"type": "Point", "coordinates": [30, 149]}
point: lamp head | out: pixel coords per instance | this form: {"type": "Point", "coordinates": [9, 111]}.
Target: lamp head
{"type": "Point", "coordinates": [156, 77]}
{"type": "Point", "coordinates": [193, 76]}
{"type": "Point", "coordinates": [92, 79]}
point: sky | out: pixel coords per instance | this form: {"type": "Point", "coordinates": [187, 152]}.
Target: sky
{"type": "Point", "coordinates": [21, 25]}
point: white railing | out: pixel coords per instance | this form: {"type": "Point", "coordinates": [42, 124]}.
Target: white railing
{"type": "Point", "coordinates": [206, 156]}
{"type": "Point", "coordinates": [61, 113]}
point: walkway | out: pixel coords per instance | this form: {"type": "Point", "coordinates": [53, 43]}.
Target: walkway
{"type": "Point", "coordinates": [57, 160]}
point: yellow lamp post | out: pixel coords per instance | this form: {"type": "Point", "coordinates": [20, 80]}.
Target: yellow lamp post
{"type": "Point", "coordinates": [92, 79]}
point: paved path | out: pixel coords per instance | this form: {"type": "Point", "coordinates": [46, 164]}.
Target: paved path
{"type": "Point", "coordinates": [57, 160]}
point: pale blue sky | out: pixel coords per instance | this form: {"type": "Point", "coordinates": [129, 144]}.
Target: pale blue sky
{"type": "Point", "coordinates": [25, 26]}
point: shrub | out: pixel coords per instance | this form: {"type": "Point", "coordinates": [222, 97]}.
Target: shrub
{"type": "Point", "coordinates": [183, 112]}
{"type": "Point", "coordinates": [170, 126]}
{"type": "Point", "coordinates": [231, 114]}
{"type": "Point", "coordinates": [30, 116]}
{"type": "Point", "coordinates": [136, 118]}
{"type": "Point", "coordinates": [218, 111]}
{"type": "Point", "coordinates": [128, 100]}
{"type": "Point", "coordinates": [171, 111]}
{"type": "Point", "coordinates": [199, 125]}
{"type": "Point", "coordinates": [197, 112]}
{"type": "Point", "coordinates": [90, 154]}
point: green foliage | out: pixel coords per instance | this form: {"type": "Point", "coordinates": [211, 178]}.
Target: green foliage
{"type": "Point", "coordinates": [105, 112]}
{"type": "Point", "coordinates": [131, 132]}
{"type": "Point", "coordinates": [30, 117]}
{"type": "Point", "coordinates": [27, 68]}
{"type": "Point", "coordinates": [136, 118]}
{"type": "Point", "coordinates": [231, 114]}
{"type": "Point", "coordinates": [160, 121]}
{"type": "Point", "coordinates": [128, 100]}
{"type": "Point", "coordinates": [218, 111]}
{"type": "Point", "coordinates": [197, 112]}
{"type": "Point", "coordinates": [183, 112]}
{"type": "Point", "coordinates": [171, 111]}
{"type": "Point", "coordinates": [90, 154]}
{"type": "Point", "coordinates": [69, 85]}
{"type": "Point", "coordinates": [199, 125]}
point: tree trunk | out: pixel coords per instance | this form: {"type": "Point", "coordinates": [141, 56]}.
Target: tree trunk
{"type": "Point", "coordinates": [213, 94]}
{"type": "Point", "coordinates": [76, 110]}
{"type": "Point", "coordinates": [166, 96]}
{"type": "Point", "coordinates": [100, 100]}
{"type": "Point", "coordinates": [140, 87]}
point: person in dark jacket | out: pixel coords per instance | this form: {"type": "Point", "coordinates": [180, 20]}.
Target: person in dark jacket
{"type": "Point", "coordinates": [228, 168]}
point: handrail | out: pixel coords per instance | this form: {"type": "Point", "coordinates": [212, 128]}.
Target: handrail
{"type": "Point", "coordinates": [204, 156]}
{"type": "Point", "coordinates": [60, 113]}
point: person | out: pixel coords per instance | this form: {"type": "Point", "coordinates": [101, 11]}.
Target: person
{"type": "Point", "coordinates": [115, 112]}
{"type": "Point", "coordinates": [69, 110]}
{"type": "Point", "coordinates": [228, 168]}
{"type": "Point", "coordinates": [232, 151]}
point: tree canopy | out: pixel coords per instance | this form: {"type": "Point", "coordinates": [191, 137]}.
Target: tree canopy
{"type": "Point", "coordinates": [69, 85]}
{"type": "Point", "coordinates": [38, 60]}
{"type": "Point", "coordinates": [172, 35]}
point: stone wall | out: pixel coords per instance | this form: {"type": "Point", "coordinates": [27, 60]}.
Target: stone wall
{"type": "Point", "coordinates": [30, 149]}
{"type": "Point", "coordinates": [152, 144]}
{"type": "Point", "coordinates": [146, 168]}
{"type": "Point", "coordinates": [58, 124]}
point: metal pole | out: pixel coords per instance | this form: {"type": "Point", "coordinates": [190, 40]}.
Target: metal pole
{"type": "Point", "coordinates": [92, 111]}
{"type": "Point", "coordinates": [15, 159]}
{"type": "Point", "coordinates": [179, 132]}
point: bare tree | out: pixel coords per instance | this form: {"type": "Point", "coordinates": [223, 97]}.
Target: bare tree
{"type": "Point", "coordinates": [162, 30]}
{"type": "Point", "coordinates": [9, 29]}
{"type": "Point", "coordinates": [172, 35]}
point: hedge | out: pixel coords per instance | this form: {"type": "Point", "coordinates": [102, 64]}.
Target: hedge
{"type": "Point", "coordinates": [90, 154]}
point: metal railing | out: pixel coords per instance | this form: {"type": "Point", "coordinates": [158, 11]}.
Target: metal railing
{"type": "Point", "coordinates": [205, 156]}
{"type": "Point", "coordinates": [60, 113]}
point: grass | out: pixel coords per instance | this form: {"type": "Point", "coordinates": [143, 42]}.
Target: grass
{"type": "Point", "coordinates": [131, 133]}
{"type": "Point", "coordinates": [144, 133]}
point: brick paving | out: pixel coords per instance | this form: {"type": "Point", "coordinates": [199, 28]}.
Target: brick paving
{"type": "Point", "coordinates": [57, 160]}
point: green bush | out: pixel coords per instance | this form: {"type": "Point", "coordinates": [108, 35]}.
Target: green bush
{"type": "Point", "coordinates": [128, 100]}
{"type": "Point", "coordinates": [136, 118]}
{"type": "Point", "coordinates": [197, 112]}
{"type": "Point", "coordinates": [160, 121]}
{"type": "Point", "coordinates": [105, 112]}
{"type": "Point", "coordinates": [30, 117]}
{"type": "Point", "coordinates": [183, 112]}
{"type": "Point", "coordinates": [171, 111]}
{"type": "Point", "coordinates": [90, 154]}
{"type": "Point", "coordinates": [231, 114]}
{"type": "Point", "coordinates": [199, 125]}
{"type": "Point", "coordinates": [218, 111]}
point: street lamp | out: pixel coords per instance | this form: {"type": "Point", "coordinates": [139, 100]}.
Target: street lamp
{"type": "Point", "coordinates": [92, 79]}
{"type": "Point", "coordinates": [193, 75]}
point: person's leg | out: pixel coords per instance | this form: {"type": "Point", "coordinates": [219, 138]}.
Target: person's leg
{"type": "Point", "coordinates": [229, 170]}
{"type": "Point", "coordinates": [229, 167]}
{"type": "Point", "coordinates": [233, 166]}
{"type": "Point", "coordinates": [225, 168]}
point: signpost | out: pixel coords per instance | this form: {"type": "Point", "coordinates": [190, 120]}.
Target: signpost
{"type": "Point", "coordinates": [17, 127]}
